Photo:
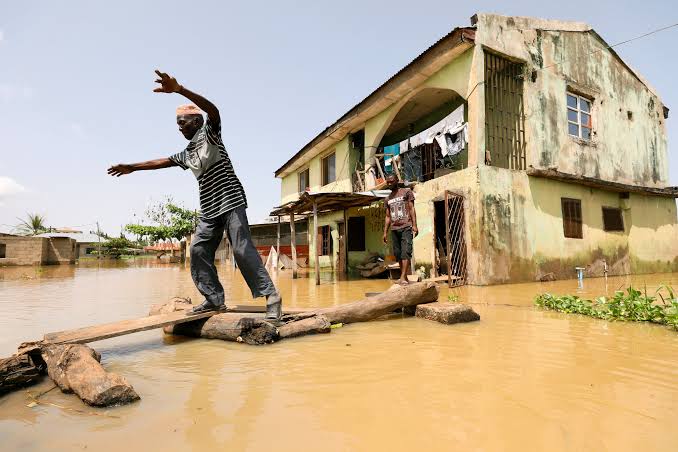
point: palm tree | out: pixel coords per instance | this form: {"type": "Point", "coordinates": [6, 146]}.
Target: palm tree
{"type": "Point", "coordinates": [34, 224]}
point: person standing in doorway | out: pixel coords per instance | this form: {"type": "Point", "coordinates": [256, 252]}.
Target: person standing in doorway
{"type": "Point", "coordinates": [401, 218]}
{"type": "Point", "coordinates": [222, 202]}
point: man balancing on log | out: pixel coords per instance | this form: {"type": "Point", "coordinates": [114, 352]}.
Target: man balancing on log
{"type": "Point", "coordinates": [402, 219]}
{"type": "Point", "coordinates": [222, 202]}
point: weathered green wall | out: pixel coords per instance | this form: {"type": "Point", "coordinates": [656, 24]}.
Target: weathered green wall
{"type": "Point", "coordinates": [622, 149]}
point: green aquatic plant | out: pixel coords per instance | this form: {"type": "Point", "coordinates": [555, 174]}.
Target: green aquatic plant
{"type": "Point", "coordinates": [631, 305]}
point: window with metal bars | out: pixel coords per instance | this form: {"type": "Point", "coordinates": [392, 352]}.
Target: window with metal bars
{"type": "Point", "coordinates": [325, 241]}
{"type": "Point", "coordinates": [504, 112]}
{"type": "Point", "coordinates": [613, 219]}
{"type": "Point", "coordinates": [579, 116]}
{"type": "Point", "coordinates": [572, 222]}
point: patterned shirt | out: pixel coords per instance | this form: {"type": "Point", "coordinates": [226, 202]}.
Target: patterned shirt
{"type": "Point", "coordinates": [219, 187]}
{"type": "Point", "coordinates": [397, 203]}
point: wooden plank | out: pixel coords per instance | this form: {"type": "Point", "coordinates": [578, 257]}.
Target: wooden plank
{"type": "Point", "coordinates": [114, 329]}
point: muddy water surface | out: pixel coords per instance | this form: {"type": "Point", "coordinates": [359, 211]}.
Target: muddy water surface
{"type": "Point", "coordinates": [520, 379]}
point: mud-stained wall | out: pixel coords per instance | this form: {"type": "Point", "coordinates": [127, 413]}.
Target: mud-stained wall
{"type": "Point", "coordinates": [522, 239]}
{"type": "Point", "coordinates": [629, 138]}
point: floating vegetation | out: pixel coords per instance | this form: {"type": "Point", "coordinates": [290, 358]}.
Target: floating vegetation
{"type": "Point", "coordinates": [629, 306]}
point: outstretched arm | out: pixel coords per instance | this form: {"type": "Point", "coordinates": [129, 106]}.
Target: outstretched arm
{"type": "Point", "coordinates": [169, 84]}
{"type": "Point", "coordinates": [127, 168]}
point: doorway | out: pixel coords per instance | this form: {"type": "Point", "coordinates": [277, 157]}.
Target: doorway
{"type": "Point", "coordinates": [449, 239]}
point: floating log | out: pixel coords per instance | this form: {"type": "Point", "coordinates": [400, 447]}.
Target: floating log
{"type": "Point", "coordinates": [19, 371]}
{"type": "Point", "coordinates": [395, 298]}
{"type": "Point", "coordinates": [76, 368]}
{"type": "Point", "coordinates": [317, 324]}
{"type": "Point", "coordinates": [251, 329]}
{"type": "Point", "coordinates": [229, 327]}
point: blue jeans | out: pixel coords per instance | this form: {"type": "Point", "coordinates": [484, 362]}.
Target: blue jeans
{"type": "Point", "coordinates": [206, 240]}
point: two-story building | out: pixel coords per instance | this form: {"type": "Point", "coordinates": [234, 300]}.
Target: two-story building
{"type": "Point", "coordinates": [532, 148]}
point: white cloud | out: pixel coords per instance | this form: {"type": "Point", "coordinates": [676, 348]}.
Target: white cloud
{"type": "Point", "coordinates": [9, 187]}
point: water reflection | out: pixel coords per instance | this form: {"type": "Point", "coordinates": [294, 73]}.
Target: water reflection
{"type": "Point", "coordinates": [521, 378]}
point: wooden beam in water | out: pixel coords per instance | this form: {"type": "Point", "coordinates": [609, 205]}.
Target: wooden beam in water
{"type": "Point", "coordinates": [108, 330]}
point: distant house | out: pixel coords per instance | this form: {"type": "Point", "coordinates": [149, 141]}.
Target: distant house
{"type": "Point", "coordinates": [19, 250]}
{"type": "Point", "coordinates": [86, 243]}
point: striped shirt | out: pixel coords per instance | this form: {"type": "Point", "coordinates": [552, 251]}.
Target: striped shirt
{"type": "Point", "coordinates": [219, 187]}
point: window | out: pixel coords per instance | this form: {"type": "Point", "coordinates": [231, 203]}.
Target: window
{"type": "Point", "coordinates": [613, 219]}
{"type": "Point", "coordinates": [324, 241]}
{"type": "Point", "coordinates": [328, 169]}
{"type": "Point", "coordinates": [304, 181]}
{"type": "Point", "coordinates": [578, 116]}
{"type": "Point", "coordinates": [571, 218]}
{"type": "Point", "coordinates": [3, 250]}
{"type": "Point", "coordinates": [356, 234]}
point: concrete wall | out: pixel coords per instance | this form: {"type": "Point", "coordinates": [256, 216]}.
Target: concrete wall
{"type": "Point", "coordinates": [61, 250]}
{"type": "Point", "coordinates": [24, 250]}
{"type": "Point", "coordinates": [521, 230]}
{"type": "Point", "coordinates": [622, 149]}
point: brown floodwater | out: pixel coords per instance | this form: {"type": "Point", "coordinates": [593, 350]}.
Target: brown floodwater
{"type": "Point", "coordinates": [520, 379]}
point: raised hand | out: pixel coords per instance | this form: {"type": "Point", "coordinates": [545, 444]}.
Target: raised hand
{"type": "Point", "coordinates": [120, 169]}
{"type": "Point", "coordinates": [167, 83]}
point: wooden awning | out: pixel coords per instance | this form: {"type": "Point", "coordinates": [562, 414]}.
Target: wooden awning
{"type": "Point", "coordinates": [667, 192]}
{"type": "Point", "coordinates": [326, 201]}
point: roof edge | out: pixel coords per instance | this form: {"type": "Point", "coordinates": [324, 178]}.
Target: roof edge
{"type": "Point", "coordinates": [456, 37]}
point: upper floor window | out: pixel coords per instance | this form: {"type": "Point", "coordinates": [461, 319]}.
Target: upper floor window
{"type": "Point", "coordinates": [328, 169]}
{"type": "Point", "coordinates": [578, 116]}
{"type": "Point", "coordinates": [304, 181]}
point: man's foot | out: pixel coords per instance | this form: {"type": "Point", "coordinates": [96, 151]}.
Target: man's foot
{"type": "Point", "coordinates": [206, 306]}
{"type": "Point", "coordinates": [403, 282]}
{"type": "Point", "coordinates": [273, 307]}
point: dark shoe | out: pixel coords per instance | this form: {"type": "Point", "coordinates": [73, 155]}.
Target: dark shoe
{"type": "Point", "coordinates": [273, 307]}
{"type": "Point", "coordinates": [205, 306]}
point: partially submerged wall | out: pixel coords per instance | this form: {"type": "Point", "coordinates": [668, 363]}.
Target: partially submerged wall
{"type": "Point", "coordinates": [24, 250]}
{"type": "Point", "coordinates": [522, 239]}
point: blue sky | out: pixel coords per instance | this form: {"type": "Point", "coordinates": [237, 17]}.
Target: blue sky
{"type": "Point", "coordinates": [76, 83]}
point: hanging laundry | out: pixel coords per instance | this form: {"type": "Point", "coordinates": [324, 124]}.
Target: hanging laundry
{"type": "Point", "coordinates": [453, 140]}
{"type": "Point", "coordinates": [427, 136]}
{"type": "Point", "coordinates": [390, 152]}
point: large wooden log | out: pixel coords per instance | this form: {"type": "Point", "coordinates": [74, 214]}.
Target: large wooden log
{"type": "Point", "coordinates": [229, 327]}
{"type": "Point", "coordinates": [19, 371]}
{"type": "Point", "coordinates": [76, 368]}
{"type": "Point", "coordinates": [397, 297]}
{"type": "Point", "coordinates": [254, 330]}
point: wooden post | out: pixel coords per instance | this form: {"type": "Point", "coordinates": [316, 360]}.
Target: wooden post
{"type": "Point", "coordinates": [293, 245]}
{"type": "Point", "coordinates": [345, 241]}
{"type": "Point", "coordinates": [277, 245]}
{"type": "Point", "coordinates": [315, 243]}
{"type": "Point", "coordinates": [447, 239]}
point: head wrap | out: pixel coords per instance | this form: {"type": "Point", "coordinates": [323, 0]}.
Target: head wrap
{"type": "Point", "coordinates": [188, 110]}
